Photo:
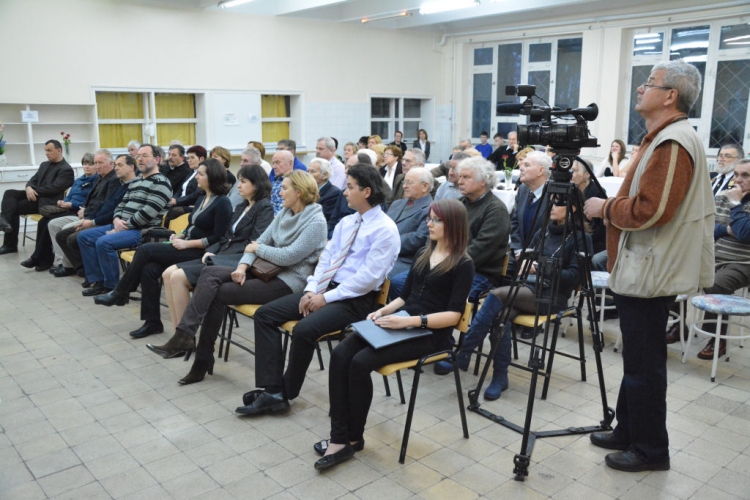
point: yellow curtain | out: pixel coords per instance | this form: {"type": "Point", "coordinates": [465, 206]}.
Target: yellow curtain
{"type": "Point", "coordinates": [175, 106]}
{"type": "Point", "coordinates": [183, 132]}
{"type": "Point", "coordinates": [119, 105]}
{"type": "Point", "coordinates": [274, 106]}
{"type": "Point", "coordinates": [275, 131]}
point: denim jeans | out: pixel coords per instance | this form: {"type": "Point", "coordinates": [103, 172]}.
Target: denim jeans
{"type": "Point", "coordinates": [479, 329]}
{"type": "Point", "coordinates": [99, 252]}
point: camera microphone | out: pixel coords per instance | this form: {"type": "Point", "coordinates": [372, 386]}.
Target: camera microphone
{"type": "Point", "coordinates": [511, 108]}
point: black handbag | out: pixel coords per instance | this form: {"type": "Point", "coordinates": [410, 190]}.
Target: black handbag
{"type": "Point", "coordinates": [156, 235]}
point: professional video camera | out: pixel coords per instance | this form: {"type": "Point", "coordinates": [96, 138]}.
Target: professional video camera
{"type": "Point", "coordinates": [563, 138]}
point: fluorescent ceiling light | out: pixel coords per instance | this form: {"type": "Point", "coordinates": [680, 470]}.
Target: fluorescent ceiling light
{"type": "Point", "coordinates": [228, 4]}
{"type": "Point", "coordinates": [436, 6]}
{"type": "Point", "coordinates": [370, 19]}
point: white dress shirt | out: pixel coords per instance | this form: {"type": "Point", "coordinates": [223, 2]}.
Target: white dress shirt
{"type": "Point", "coordinates": [338, 178]}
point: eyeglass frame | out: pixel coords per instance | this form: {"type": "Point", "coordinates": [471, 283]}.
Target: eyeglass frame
{"type": "Point", "coordinates": [434, 220]}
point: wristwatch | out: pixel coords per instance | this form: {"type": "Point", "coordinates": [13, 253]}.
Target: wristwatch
{"type": "Point", "coordinates": [424, 321]}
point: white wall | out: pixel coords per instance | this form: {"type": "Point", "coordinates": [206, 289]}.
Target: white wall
{"type": "Point", "coordinates": [56, 51]}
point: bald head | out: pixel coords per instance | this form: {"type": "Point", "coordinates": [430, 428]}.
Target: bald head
{"type": "Point", "coordinates": [283, 162]}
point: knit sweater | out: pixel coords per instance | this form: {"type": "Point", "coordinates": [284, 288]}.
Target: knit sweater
{"type": "Point", "coordinates": [145, 202]}
{"type": "Point", "coordinates": [293, 242]}
{"type": "Point", "coordinates": [489, 232]}
{"type": "Point", "coordinates": [736, 247]}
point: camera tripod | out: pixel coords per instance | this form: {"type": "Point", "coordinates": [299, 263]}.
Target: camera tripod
{"type": "Point", "coordinates": [558, 191]}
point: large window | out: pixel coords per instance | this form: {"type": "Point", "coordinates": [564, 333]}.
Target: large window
{"type": "Point", "coordinates": [553, 65]}
{"type": "Point", "coordinates": [720, 50]}
{"type": "Point", "coordinates": [155, 117]}
{"type": "Point", "coordinates": [389, 114]}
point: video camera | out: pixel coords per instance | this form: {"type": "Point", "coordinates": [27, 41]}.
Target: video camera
{"type": "Point", "coordinates": [563, 138]}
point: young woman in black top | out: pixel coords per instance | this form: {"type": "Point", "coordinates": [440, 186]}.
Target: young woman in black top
{"type": "Point", "coordinates": [434, 294]}
{"type": "Point", "coordinates": [209, 221]}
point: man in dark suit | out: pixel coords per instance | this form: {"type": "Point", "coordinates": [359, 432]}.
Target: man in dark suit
{"type": "Point", "coordinates": [505, 156]}
{"type": "Point", "coordinates": [45, 187]}
{"type": "Point", "coordinates": [398, 141]}
{"type": "Point", "coordinates": [321, 171]}
{"type": "Point", "coordinates": [176, 168]}
{"type": "Point", "coordinates": [413, 158]}
{"type": "Point", "coordinates": [535, 170]}
{"type": "Point", "coordinates": [410, 214]}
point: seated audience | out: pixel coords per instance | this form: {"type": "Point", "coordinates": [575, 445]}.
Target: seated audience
{"type": "Point", "coordinates": [208, 222]}
{"type": "Point", "coordinates": [504, 157]}
{"type": "Point", "coordinates": [326, 149]}
{"type": "Point", "coordinates": [43, 256]}
{"type": "Point", "coordinates": [248, 222]}
{"type": "Point", "coordinates": [362, 142]}
{"type": "Point", "coordinates": [412, 158]}
{"type": "Point", "coordinates": [342, 208]}
{"type": "Point", "coordinates": [293, 241]}
{"type": "Point", "coordinates": [291, 146]}
{"type": "Point", "coordinates": [392, 164]}
{"type": "Point", "coordinates": [184, 200]}
{"type": "Point", "coordinates": [99, 211]}
{"type": "Point", "coordinates": [434, 297]}
{"type": "Point", "coordinates": [133, 147]}
{"type": "Point", "coordinates": [225, 157]}
{"type": "Point", "coordinates": [449, 188]}
{"type": "Point", "coordinates": [321, 171]}
{"type": "Point", "coordinates": [610, 166]}
{"type": "Point", "coordinates": [582, 179]}
{"type": "Point", "coordinates": [342, 289]}
{"type": "Point", "coordinates": [373, 141]}
{"type": "Point", "coordinates": [262, 150]}
{"type": "Point", "coordinates": [349, 149]}
{"type": "Point", "coordinates": [525, 302]}
{"type": "Point", "coordinates": [142, 207]}
{"type": "Point", "coordinates": [623, 169]}
{"type": "Point", "coordinates": [283, 162]}
{"type": "Point", "coordinates": [176, 168]}
{"type": "Point", "coordinates": [45, 188]}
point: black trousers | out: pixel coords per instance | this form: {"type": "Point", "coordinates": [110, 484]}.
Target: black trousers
{"type": "Point", "coordinates": [13, 205]}
{"type": "Point", "coordinates": [216, 290]}
{"type": "Point", "coordinates": [150, 261]}
{"type": "Point", "coordinates": [642, 401]}
{"type": "Point", "coordinates": [269, 363]}
{"type": "Point", "coordinates": [68, 241]}
{"type": "Point", "coordinates": [350, 382]}
{"type": "Point", "coordinates": [43, 251]}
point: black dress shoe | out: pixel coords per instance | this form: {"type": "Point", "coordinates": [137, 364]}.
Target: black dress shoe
{"type": "Point", "coordinates": [29, 263]}
{"type": "Point", "coordinates": [5, 226]}
{"type": "Point", "coordinates": [321, 446]}
{"type": "Point", "coordinates": [147, 329]}
{"type": "Point", "coordinates": [629, 461]}
{"type": "Point", "coordinates": [61, 272]}
{"type": "Point", "coordinates": [97, 288]}
{"type": "Point", "coordinates": [4, 249]}
{"type": "Point", "coordinates": [42, 267]}
{"type": "Point", "coordinates": [608, 440]}
{"type": "Point", "coordinates": [54, 268]}
{"type": "Point", "coordinates": [249, 397]}
{"type": "Point", "coordinates": [81, 273]}
{"type": "Point", "coordinates": [113, 298]}
{"type": "Point", "coordinates": [333, 459]}
{"type": "Point", "coordinates": [265, 403]}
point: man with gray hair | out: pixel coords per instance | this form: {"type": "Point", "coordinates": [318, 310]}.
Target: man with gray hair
{"type": "Point", "coordinates": [449, 188]}
{"type": "Point", "coordinates": [320, 169]}
{"type": "Point", "coordinates": [410, 215]}
{"type": "Point", "coordinates": [413, 157]}
{"type": "Point", "coordinates": [659, 244]}
{"type": "Point", "coordinates": [535, 170]}
{"type": "Point", "coordinates": [291, 146]}
{"type": "Point", "coordinates": [133, 147]}
{"type": "Point", "coordinates": [326, 149]}
{"type": "Point", "coordinates": [728, 156]}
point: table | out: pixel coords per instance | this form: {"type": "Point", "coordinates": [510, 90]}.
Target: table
{"type": "Point", "coordinates": [506, 196]}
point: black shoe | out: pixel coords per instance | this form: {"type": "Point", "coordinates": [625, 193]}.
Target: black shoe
{"type": "Point", "coordinates": [249, 397]}
{"type": "Point", "coordinates": [54, 268]}
{"type": "Point", "coordinates": [61, 272]}
{"type": "Point", "coordinates": [629, 461]}
{"type": "Point", "coordinates": [42, 267]}
{"type": "Point", "coordinates": [529, 333]}
{"type": "Point", "coordinates": [181, 344]}
{"type": "Point", "coordinates": [147, 329]}
{"type": "Point", "coordinates": [333, 459]}
{"type": "Point", "coordinates": [321, 446]}
{"type": "Point", "coordinates": [81, 273]}
{"type": "Point", "coordinates": [4, 250]}
{"type": "Point", "coordinates": [198, 371]}
{"type": "Point", "coordinates": [113, 298]}
{"type": "Point", "coordinates": [265, 403]}
{"type": "Point", "coordinates": [95, 289]}
{"type": "Point", "coordinates": [608, 440]}
{"type": "Point", "coordinates": [29, 263]}
{"type": "Point", "coordinates": [5, 226]}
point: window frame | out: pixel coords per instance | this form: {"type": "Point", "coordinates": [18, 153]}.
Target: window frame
{"type": "Point", "coordinates": [396, 121]}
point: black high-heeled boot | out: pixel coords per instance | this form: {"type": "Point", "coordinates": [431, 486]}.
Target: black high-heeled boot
{"type": "Point", "coordinates": [180, 343]}
{"type": "Point", "coordinates": [198, 371]}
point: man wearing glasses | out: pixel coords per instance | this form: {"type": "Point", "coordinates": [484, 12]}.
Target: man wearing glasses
{"type": "Point", "coordinates": [143, 206]}
{"type": "Point", "coordinates": [659, 245]}
{"type": "Point", "coordinates": [725, 161]}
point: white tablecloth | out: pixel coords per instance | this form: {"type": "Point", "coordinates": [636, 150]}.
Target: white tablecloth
{"type": "Point", "coordinates": [506, 196]}
{"type": "Point", "coordinates": [611, 184]}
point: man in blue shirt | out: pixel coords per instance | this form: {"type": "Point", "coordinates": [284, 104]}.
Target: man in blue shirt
{"type": "Point", "coordinates": [484, 147]}
{"type": "Point", "coordinates": [341, 291]}
{"type": "Point", "coordinates": [283, 162]}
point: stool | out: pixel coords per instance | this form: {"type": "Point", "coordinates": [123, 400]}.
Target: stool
{"type": "Point", "coordinates": [729, 305]}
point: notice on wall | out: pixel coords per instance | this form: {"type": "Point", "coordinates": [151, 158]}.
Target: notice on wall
{"type": "Point", "coordinates": [29, 116]}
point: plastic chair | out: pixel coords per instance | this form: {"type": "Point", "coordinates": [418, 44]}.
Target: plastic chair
{"type": "Point", "coordinates": [462, 326]}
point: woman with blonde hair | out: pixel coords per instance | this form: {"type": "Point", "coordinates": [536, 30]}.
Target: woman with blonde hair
{"type": "Point", "coordinates": [293, 242]}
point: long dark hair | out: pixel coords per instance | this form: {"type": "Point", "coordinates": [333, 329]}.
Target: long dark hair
{"type": "Point", "coordinates": [259, 178]}
{"type": "Point", "coordinates": [216, 175]}
{"type": "Point", "coordinates": [455, 222]}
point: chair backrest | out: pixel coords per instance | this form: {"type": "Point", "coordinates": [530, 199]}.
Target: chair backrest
{"type": "Point", "coordinates": [179, 224]}
{"type": "Point", "coordinates": [505, 263]}
{"type": "Point", "coordinates": [383, 296]}
{"type": "Point", "coordinates": [463, 323]}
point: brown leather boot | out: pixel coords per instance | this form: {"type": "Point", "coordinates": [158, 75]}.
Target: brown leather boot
{"type": "Point", "coordinates": [180, 344]}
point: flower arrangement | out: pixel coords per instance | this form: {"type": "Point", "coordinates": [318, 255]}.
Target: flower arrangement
{"type": "Point", "coordinates": [66, 141]}
{"type": "Point", "coordinates": [505, 164]}
{"type": "Point", "coordinates": [2, 141]}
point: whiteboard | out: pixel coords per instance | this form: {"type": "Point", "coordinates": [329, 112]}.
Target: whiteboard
{"type": "Point", "coordinates": [236, 119]}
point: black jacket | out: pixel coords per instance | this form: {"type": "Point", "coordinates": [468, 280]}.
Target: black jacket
{"type": "Point", "coordinates": [51, 181]}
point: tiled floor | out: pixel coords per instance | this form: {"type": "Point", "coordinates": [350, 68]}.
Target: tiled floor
{"type": "Point", "coordinates": [87, 412]}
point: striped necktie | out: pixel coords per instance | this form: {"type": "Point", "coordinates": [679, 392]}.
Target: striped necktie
{"type": "Point", "coordinates": [719, 182]}
{"type": "Point", "coordinates": [336, 264]}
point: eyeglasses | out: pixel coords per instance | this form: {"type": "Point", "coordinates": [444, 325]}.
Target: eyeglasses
{"type": "Point", "coordinates": [434, 220]}
{"type": "Point", "coordinates": [387, 153]}
{"type": "Point", "coordinates": [145, 157]}
{"type": "Point", "coordinates": [651, 86]}
{"type": "Point", "coordinates": [727, 157]}
{"type": "Point", "coordinates": [411, 183]}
